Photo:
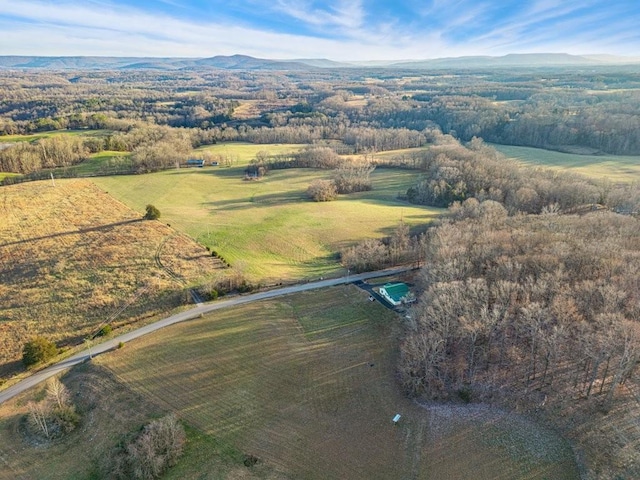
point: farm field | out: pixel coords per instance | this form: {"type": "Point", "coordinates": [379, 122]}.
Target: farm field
{"type": "Point", "coordinates": [104, 160]}
{"type": "Point", "coordinates": [389, 155]}
{"type": "Point", "coordinates": [73, 258]}
{"type": "Point", "coordinates": [616, 168]}
{"type": "Point", "coordinates": [305, 383]}
{"type": "Point", "coordinates": [36, 136]}
{"type": "Point", "coordinates": [96, 391]}
{"type": "Point", "coordinates": [100, 163]}
{"type": "Point", "coordinates": [267, 229]}
{"type": "Point", "coordinates": [243, 152]}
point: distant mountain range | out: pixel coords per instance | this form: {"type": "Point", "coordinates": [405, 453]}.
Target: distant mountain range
{"type": "Point", "coordinates": [234, 62]}
{"type": "Point", "coordinates": [244, 62]}
{"type": "Point", "coordinates": [520, 60]}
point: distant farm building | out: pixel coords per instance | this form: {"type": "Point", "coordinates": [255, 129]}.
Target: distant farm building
{"type": "Point", "coordinates": [396, 293]}
{"type": "Point", "coordinates": [195, 162]}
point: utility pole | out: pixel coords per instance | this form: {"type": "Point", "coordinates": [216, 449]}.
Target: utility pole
{"type": "Point", "coordinates": [88, 342]}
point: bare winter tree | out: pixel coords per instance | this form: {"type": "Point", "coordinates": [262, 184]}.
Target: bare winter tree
{"type": "Point", "coordinates": [156, 448]}
{"type": "Point", "coordinates": [38, 418]}
{"type": "Point", "coordinates": [322, 191]}
{"type": "Point", "coordinates": [58, 393]}
{"type": "Point", "coordinates": [54, 415]}
{"type": "Point", "coordinates": [353, 176]}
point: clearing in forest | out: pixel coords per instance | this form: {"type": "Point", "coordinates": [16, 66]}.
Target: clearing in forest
{"type": "Point", "coordinates": [615, 168]}
{"type": "Point", "coordinates": [53, 133]}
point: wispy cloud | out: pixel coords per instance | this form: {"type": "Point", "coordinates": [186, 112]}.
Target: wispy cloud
{"type": "Point", "coordinates": [341, 15]}
{"type": "Point", "coordinates": [338, 29]}
{"type": "Point", "coordinates": [128, 31]}
{"type": "Point", "coordinates": [551, 26]}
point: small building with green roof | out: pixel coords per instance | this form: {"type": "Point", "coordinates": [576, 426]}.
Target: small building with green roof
{"type": "Point", "coordinates": [395, 293]}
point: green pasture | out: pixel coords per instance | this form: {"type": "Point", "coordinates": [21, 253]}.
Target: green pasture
{"type": "Point", "coordinates": [36, 136]}
{"type": "Point", "coordinates": [390, 154]}
{"type": "Point", "coordinates": [617, 168]}
{"type": "Point", "coordinates": [100, 163]}
{"type": "Point", "coordinates": [267, 229]}
{"type": "Point", "coordinates": [104, 160]}
{"type": "Point", "coordinates": [4, 175]}
{"type": "Point", "coordinates": [243, 152]}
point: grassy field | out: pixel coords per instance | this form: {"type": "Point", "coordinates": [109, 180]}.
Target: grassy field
{"type": "Point", "coordinates": [267, 229]}
{"type": "Point", "coordinates": [36, 136]}
{"type": "Point", "coordinates": [93, 165]}
{"type": "Point", "coordinates": [74, 256]}
{"type": "Point", "coordinates": [4, 175]}
{"type": "Point", "coordinates": [71, 257]}
{"type": "Point", "coordinates": [243, 152]}
{"type": "Point", "coordinates": [101, 163]}
{"type": "Point", "coordinates": [306, 383]}
{"type": "Point", "coordinates": [389, 155]}
{"type": "Point", "coordinates": [95, 392]}
{"type": "Point", "coordinates": [617, 168]}
{"type": "Point", "coordinates": [103, 160]}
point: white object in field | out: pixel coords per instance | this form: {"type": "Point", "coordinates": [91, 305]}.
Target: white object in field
{"type": "Point", "coordinates": [396, 419]}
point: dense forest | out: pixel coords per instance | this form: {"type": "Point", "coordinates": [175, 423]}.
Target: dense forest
{"type": "Point", "coordinates": [541, 303]}
{"type": "Point", "coordinates": [592, 109]}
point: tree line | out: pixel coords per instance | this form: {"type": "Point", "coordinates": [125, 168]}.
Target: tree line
{"type": "Point", "coordinates": [57, 151]}
{"type": "Point", "coordinates": [455, 172]}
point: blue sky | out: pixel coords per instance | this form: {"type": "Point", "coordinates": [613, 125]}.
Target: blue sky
{"type": "Point", "coordinates": [337, 29]}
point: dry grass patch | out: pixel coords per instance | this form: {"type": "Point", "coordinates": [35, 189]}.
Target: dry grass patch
{"type": "Point", "coordinates": [254, 108]}
{"type": "Point", "coordinates": [497, 445]}
{"type": "Point", "coordinates": [111, 415]}
{"type": "Point", "coordinates": [71, 257]}
{"type": "Point", "coordinates": [83, 453]}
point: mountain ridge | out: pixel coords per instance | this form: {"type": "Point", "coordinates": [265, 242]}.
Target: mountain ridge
{"type": "Point", "coordinates": [246, 62]}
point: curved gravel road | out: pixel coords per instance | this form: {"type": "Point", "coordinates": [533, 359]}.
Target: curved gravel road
{"type": "Point", "coordinates": [195, 312]}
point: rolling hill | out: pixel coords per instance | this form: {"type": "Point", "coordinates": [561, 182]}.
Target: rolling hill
{"type": "Point", "coordinates": [245, 62]}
